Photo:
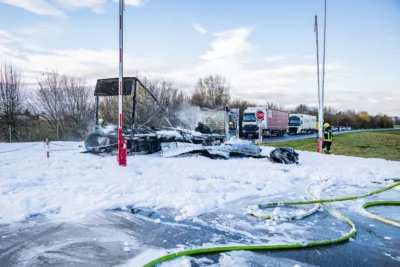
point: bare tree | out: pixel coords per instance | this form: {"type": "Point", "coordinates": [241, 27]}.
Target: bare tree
{"type": "Point", "coordinates": [12, 98]}
{"type": "Point", "coordinates": [148, 112]}
{"type": "Point", "coordinates": [211, 92]}
{"type": "Point", "coordinates": [170, 98]}
{"type": "Point", "coordinates": [272, 105]}
{"type": "Point", "coordinates": [330, 110]}
{"type": "Point", "coordinates": [302, 109]}
{"type": "Point", "coordinates": [67, 104]}
{"type": "Point", "coordinates": [108, 109]}
{"type": "Point", "coordinates": [396, 120]}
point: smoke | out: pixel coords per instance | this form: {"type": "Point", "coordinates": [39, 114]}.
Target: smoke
{"type": "Point", "coordinates": [109, 128]}
{"type": "Point", "coordinates": [185, 116]}
{"type": "Point", "coordinates": [182, 115]}
{"type": "Point", "coordinates": [106, 129]}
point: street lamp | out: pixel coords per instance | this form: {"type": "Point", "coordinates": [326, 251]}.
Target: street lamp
{"type": "Point", "coordinates": [321, 99]}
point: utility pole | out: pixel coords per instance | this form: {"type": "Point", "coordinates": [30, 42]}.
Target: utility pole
{"type": "Point", "coordinates": [321, 108]}
{"type": "Point", "coordinates": [319, 89]}
{"type": "Point", "coordinates": [121, 143]}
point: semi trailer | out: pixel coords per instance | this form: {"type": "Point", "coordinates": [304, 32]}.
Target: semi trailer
{"type": "Point", "coordinates": [275, 122]}
{"type": "Point", "coordinates": [302, 124]}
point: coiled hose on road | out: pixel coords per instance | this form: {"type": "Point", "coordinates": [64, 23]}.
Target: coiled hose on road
{"type": "Point", "coordinates": [311, 211]}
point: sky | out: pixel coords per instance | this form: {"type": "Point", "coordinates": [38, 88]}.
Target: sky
{"type": "Point", "coordinates": [266, 49]}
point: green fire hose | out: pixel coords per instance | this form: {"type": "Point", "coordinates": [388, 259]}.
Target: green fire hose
{"type": "Point", "coordinates": [318, 202]}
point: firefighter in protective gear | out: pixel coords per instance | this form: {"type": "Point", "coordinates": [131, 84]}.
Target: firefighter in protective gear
{"type": "Point", "coordinates": [231, 127]}
{"type": "Point", "coordinates": [328, 138]}
{"type": "Point", "coordinates": [102, 123]}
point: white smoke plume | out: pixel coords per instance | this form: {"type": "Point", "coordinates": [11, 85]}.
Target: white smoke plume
{"type": "Point", "coordinates": [186, 115]}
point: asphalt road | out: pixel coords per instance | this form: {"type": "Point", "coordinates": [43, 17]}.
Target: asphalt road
{"type": "Point", "coordinates": [287, 137]}
{"type": "Point", "coordinates": [100, 240]}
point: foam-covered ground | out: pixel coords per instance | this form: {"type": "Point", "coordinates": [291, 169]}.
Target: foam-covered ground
{"type": "Point", "coordinates": [211, 195]}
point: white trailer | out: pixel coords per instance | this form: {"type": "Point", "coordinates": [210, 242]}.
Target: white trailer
{"type": "Point", "coordinates": [302, 124]}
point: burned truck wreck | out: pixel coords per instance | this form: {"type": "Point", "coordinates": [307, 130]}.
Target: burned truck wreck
{"type": "Point", "coordinates": [215, 134]}
{"type": "Point", "coordinates": [212, 125]}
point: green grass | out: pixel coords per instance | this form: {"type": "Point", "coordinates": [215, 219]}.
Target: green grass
{"type": "Point", "coordinates": [374, 144]}
{"type": "Point", "coordinates": [396, 126]}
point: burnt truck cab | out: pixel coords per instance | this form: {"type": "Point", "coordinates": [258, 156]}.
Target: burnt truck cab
{"type": "Point", "coordinates": [217, 120]}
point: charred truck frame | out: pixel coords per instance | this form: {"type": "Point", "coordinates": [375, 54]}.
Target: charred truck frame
{"type": "Point", "coordinates": [148, 140]}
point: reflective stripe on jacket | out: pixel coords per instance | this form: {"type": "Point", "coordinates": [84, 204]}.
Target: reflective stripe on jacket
{"type": "Point", "coordinates": [328, 134]}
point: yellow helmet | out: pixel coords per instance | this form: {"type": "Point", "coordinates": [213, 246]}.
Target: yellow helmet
{"type": "Point", "coordinates": [326, 125]}
{"type": "Point", "coordinates": [230, 123]}
{"type": "Point", "coordinates": [101, 120]}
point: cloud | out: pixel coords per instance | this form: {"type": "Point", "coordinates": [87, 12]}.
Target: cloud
{"type": "Point", "coordinates": [273, 58]}
{"type": "Point", "coordinates": [46, 7]}
{"type": "Point", "coordinates": [229, 55]}
{"type": "Point", "coordinates": [40, 7]}
{"type": "Point", "coordinates": [199, 28]}
{"type": "Point", "coordinates": [228, 45]}
{"type": "Point", "coordinates": [374, 102]}
{"type": "Point", "coordinates": [287, 84]}
{"type": "Point", "coordinates": [38, 37]}
{"type": "Point", "coordinates": [5, 37]}
{"type": "Point", "coordinates": [92, 64]}
{"type": "Point", "coordinates": [97, 6]}
{"type": "Point", "coordinates": [132, 2]}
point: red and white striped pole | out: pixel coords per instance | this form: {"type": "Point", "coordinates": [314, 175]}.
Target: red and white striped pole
{"type": "Point", "coordinates": [121, 143]}
{"type": "Point", "coordinates": [48, 147]}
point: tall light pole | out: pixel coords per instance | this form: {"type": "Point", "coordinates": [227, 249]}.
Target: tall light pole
{"type": "Point", "coordinates": [321, 103]}
{"type": "Point", "coordinates": [121, 143]}
{"type": "Point", "coordinates": [319, 88]}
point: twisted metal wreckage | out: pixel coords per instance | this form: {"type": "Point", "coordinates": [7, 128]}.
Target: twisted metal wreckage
{"type": "Point", "coordinates": [212, 137]}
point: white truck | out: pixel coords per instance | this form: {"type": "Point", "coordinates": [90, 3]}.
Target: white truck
{"type": "Point", "coordinates": [302, 124]}
{"type": "Point", "coordinates": [275, 122]}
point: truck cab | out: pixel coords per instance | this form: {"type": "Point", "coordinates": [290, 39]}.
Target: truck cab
{"type": "Point", "coordinates": [250, 125]}
{"type": "Point", "coordinates": [294, 124]}
{"type": "Point", "coordinates": [275, 122]}
{"type": "Point", "coordinates": [302, 124]}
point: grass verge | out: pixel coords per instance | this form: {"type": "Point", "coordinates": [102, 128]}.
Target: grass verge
{"type": "Point", "coordinates": [374, 144]}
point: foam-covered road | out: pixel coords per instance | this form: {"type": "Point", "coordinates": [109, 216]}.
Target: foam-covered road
{"type": "Point", "coordinates": [126, 239]}
{"type": "Point", "coordinates": [61, 210]}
